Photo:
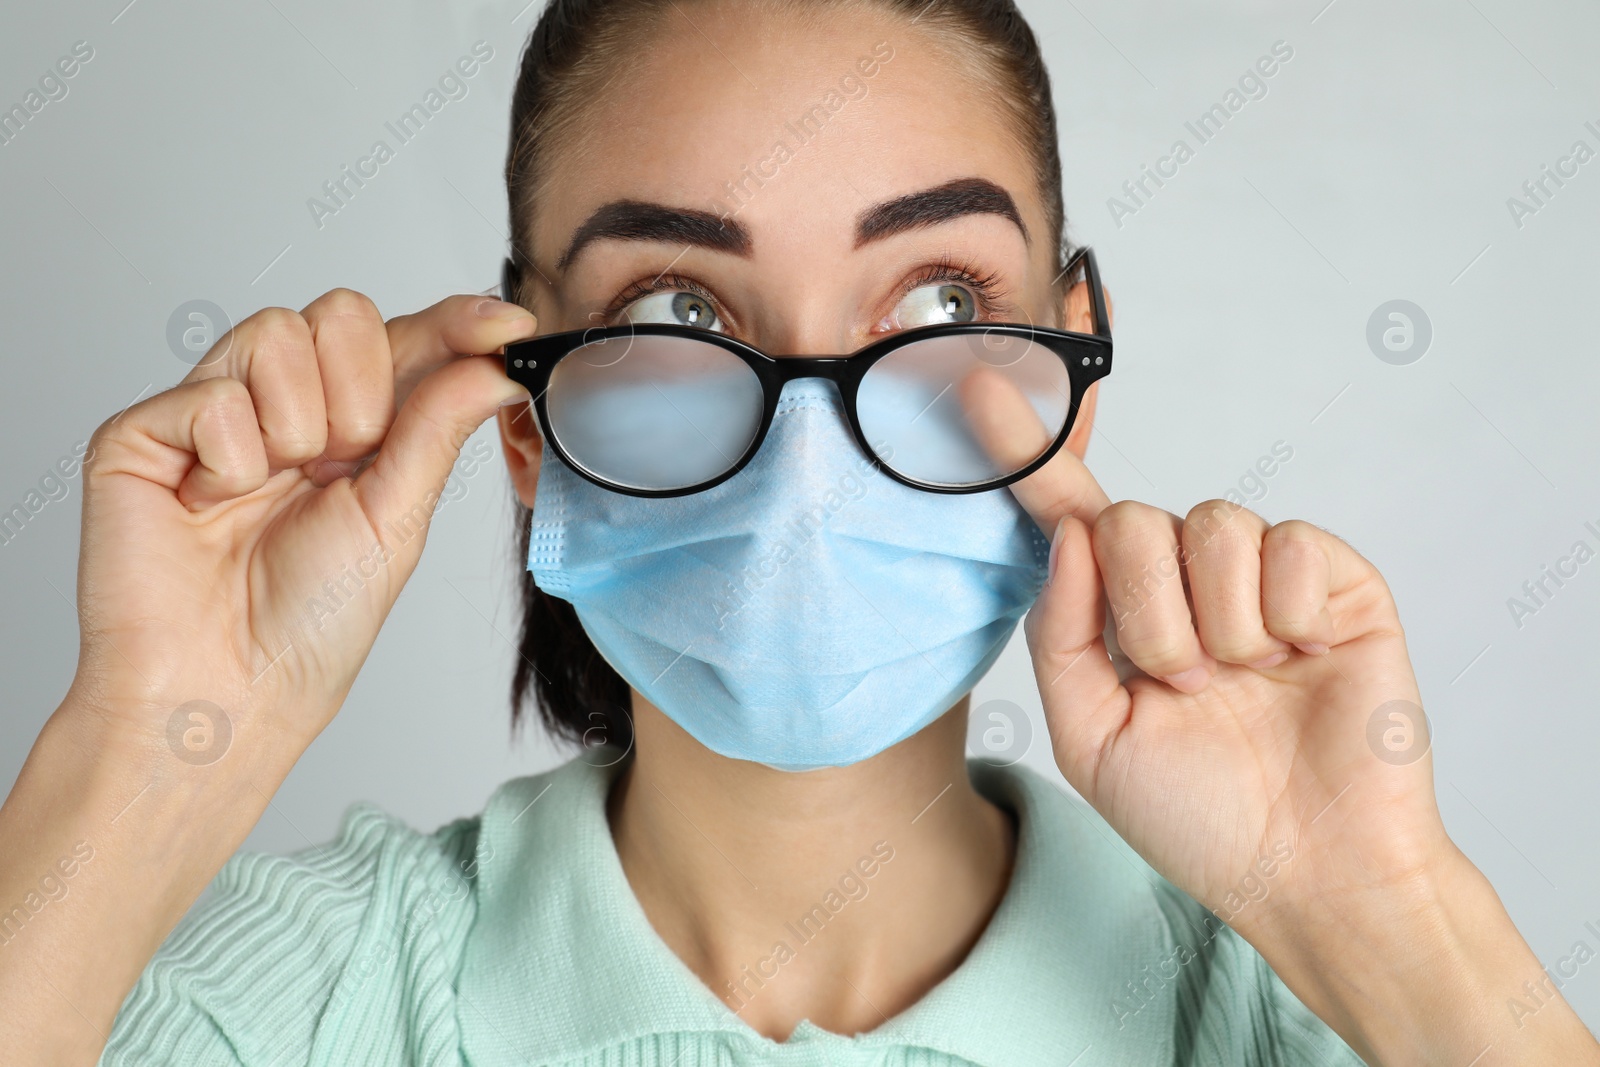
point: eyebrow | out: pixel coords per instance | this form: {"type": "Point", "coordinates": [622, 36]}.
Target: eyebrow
{"type": "Point", "coordinates": [638, 220]}
{"type": "Point", "coordinates": [943, 203]}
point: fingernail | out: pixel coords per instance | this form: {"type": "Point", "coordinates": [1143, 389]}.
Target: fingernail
{"type": "Point", "coordinates": [1190, 681]}
{"type": "Point", "coordinates": [1271, 661]}
{"type": "Point", "coordinates": [1312, 648]}
{"type": "Point", "coordinates": [499, 309]}
{"type": "Point", "coordinates": [521, 396]}
{"type": "Point", "coordinates": [1055, 551]}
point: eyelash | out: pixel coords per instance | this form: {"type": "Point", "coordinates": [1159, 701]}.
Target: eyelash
{"type": "Point", "coordinates": [985, 286]}
{"type": "Point", "coordinates": [665, 283]}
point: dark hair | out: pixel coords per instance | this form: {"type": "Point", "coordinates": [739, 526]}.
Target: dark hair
{"type": "Point", "coordinates": [571, 52]}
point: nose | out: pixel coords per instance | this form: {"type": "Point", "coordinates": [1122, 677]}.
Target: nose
{"type": "Point", "coordinates": [809, 326]}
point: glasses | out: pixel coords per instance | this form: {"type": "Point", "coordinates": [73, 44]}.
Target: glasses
{"type": "Point", "coordinates": [662, 410]}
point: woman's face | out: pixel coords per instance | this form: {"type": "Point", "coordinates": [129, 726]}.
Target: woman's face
{"type": "Point", "coordinates": [806, 185]}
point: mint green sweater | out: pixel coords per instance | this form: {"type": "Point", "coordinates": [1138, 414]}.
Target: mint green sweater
{"type": "Point", "coordinates": [513, 938]}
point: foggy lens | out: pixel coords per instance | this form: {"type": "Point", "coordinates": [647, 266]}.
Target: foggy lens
{"type": "Point", "coordinates": [964, 409]}
{"type": "Point", "coordinates": [654, 412]}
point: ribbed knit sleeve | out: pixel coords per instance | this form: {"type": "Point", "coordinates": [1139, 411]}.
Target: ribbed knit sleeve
{"type": "Point", "coordinates": [339, 954]}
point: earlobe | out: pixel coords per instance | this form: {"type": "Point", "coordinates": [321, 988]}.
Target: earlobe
{"type": "Point", "coordinates": [523, 448]}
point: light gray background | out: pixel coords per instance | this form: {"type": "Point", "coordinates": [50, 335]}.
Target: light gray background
{"type": "Point", "coordinates": [1377, 167]}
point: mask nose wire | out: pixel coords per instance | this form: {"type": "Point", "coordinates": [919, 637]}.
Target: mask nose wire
{"type": "Point", "coordinates": [817, 388]}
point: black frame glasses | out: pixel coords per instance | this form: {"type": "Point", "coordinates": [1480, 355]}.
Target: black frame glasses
{"type": "Point", "coordinates": [1087, 358]}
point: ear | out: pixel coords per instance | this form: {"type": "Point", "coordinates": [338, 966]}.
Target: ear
{"type": "Point", "coordinates": [523, 448]}
{"type": "Point", "coordinates": [1078, 316]}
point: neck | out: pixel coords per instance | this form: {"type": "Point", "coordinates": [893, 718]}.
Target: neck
{"type": "Point", "coordinates": [839, 895]}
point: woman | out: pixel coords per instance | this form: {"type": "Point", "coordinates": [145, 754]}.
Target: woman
{"type": "Point", "coordinates": [778, 854]}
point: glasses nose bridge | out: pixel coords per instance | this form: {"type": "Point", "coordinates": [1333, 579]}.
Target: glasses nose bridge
{"type": "Point", "coordinates": [791, 372]}
{"type": "Point", "coordinates": [831, 368]}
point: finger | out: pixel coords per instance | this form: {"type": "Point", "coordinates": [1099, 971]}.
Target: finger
{"type": "Point", "coordinates": [352, 348]}
{"type": "Point", "coordinates": [1084, 701]}
{"type": "Point", "coordinates": [1063, 486]}
{"type": "Point", "coordinates": [1317, 591]}
{"type": "Point", "coordinates": [456, 326]}
{"type": "Point", "coordinates": [272, 353]}
{"type": "Point", "coordinates": [1222, 543]}
{"type": "Point", "coordinates": [1136, 546]}
{"type": "Point", "coordinates": [399, 489]}
{"type": "Point", "coordinates": [199, 439]}
{"type": "Point", "coordinates": [998, 415]}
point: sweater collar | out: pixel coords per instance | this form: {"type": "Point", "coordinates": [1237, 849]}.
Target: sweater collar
{"type": "Point", "coordinates": [562, 961]}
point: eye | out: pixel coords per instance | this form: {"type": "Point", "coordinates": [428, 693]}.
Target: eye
{"type": "Point", "coordinates": [675, 308]}
{"type": "Point", "coordinates": [932, 305]}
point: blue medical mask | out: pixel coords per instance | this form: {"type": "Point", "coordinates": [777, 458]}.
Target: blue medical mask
{"type": "Point", "coordinates": [810, 611]}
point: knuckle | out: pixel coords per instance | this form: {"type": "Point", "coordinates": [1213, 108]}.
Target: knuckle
{"type": "Point", "coordinates": [1290, 567]}
{"type": "Point", "coordinates": [102, 440]}
{"type": "Point", "coordinates": [1218, 507]}
{"type": "Point", "coordinates": [223, 399]}
{"type": "Point", "coordinates": [1230, 643]}
{"type": "Point", "coordinates": [1157, 653]}
{"type": "Point", "coordinates": [225, 389]}
{"type": "Point", "coordinates": [1293, 534]}
{"type": "Point", "coordinates": [364, 431]}
{"type": "Point", "coordinates": [275, 320]}
{"type": "Point", "coordinates": [106, 430]}
{"type": "Point", "coordinates": [1123, 521]}
{"type": "Point", "coordinates": [1214, 520]}
{"type": "Point", "coordinates": [1227, 553]}
{"type": "Point", "coordinates": [346, 304]}
{"type": "Point", "coordinates": [276, 331]}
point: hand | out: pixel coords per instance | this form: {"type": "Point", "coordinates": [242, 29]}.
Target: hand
{"type": "Point", "coordinates": [1235, 698]}
{"type": "Point", "coordinates": [246, 532]}
{"type": "Point", "coordinates": [1233, 750]}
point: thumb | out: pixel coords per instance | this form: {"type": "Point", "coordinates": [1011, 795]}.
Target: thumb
{"type": "Point", "coordinates": [401, 486]}
{"type": "Point", "coordinates": [1085, 704]}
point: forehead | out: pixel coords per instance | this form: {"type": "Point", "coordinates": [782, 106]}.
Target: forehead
{"type": "Point", "coordinates": [792, 123]}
